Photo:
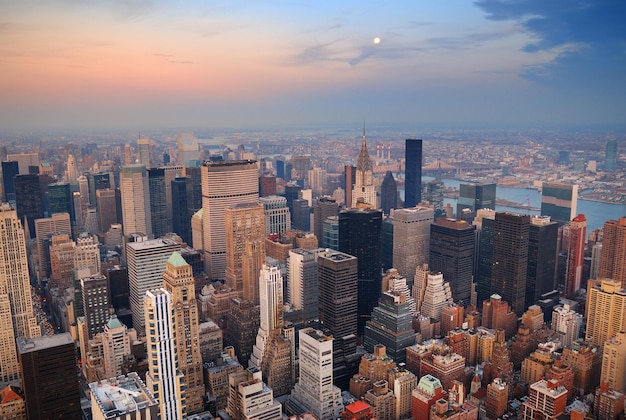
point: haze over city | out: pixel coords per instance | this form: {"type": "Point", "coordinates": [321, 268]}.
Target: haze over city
{"type": "Point", "coordinates": [160, 64]}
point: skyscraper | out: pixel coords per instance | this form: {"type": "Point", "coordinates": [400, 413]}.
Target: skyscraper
{"type": "Point", "coordinates": [510, 259]}
{"type": "Point", "coordinates": [106, 202]}
{"type": "Point", "coordinates": [146, 263]}
{"type": "Point", "coordinates": [575, 255]}
{"type": "Point", "coordinates": [411, 239]}
{"type": "Point", "coordinates": [97, 182]}
{"type": "Point", "coordinates": [324, 207]}
{"type": "Point", "coordinates": [188, 148]}
{"type": "Point", "coordinates": [452, 254]}
{"type": "Point", "coordinates": [614, 362]}
{"type": "Point", "coordinates": [605, 310]}
{"type": "Point", "coordinates": [610, 160]}
{"type": "Point", "coordinates": [245, 248]}
{"type": "Point", "coordinates": [559, 201]}
{"type": "Point", "coordinates": [143, 150]}
{"type": "Point", "coordinates": [95, 297]}
{"type": "Point", "coordinates": [164, 377]}
{"type": "Point", "coordinates": [271, 309]}
{"type": "Point", "coordinates": [181, 219]}
{"type": "Point", "coordinates": [58, 224]}
{"type": "Point", "coordinates": [303, 283]}
{"type": "Point", "coordinates": [250, 398]}
{"type": "Point", "coordinates": [567, 324]}
{"type": "Point", "coordinates": [179, 282]}
{"type": "Point", "coordinates": [224, 184]}
{"type": "Point", "coordinates": [413, 177]}
{"type": "Point", "coordinates": [360, 234]}
{"type": "Point", "coordinates": [364, 188]}
{"type": "Point", "coordinates": [277, 215]}
{"type": "Point", "coordinates": [388, 193]}
{"type": "Point", "coordinates": [135, 191]}
{"type": "Point", "coordinates": [49, 377]}
{"type": "Point", "coordinates": [158, 203]}
{"type": "Point", "coordinates": [613, 262]}
{"type": "Point", "coordinates": [9, 170]}
{"type": "Point", "coordinates": [475, 197]}
{"type": "Point", "coordinates": [28, 201]}
{"type": "Point", "coordinates": [60, 199]}
{"type": "Point", "coordinates": [542, 242]}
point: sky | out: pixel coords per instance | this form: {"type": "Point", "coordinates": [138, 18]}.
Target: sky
{"type": "Point", "coordinates": [148, 64]}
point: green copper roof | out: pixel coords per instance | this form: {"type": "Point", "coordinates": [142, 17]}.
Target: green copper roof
{"type": "Point", "coordinates": [177, 260]}
{"type": "Point", "coordinates": [114, 323]}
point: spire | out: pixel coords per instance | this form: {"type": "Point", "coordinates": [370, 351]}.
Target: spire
{"type": "Point", "coordinates": [364, 163]}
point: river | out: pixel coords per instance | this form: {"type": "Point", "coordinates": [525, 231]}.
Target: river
{"type": "Point", "coordinates": [595, 212]}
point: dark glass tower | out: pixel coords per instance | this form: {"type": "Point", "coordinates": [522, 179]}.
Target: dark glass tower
{"type": "Point", "coordinates": [181, 219]}
{"type": "Point", "coordinates": [510, 259]}
{"type": "Point", "coordinates": [542, 241]}
{"type": "Point", "coordinates": [60, 199]}
{"type": "Point", "coordinates": [97, 182]}
{"type": "Point", "coordinates": [194, 190]}
{"type": "Point", "coordinates": [280, 169]}
{"type": "Point", "coordinates": [387, 252]}
{"type": "Point", "coordinates": [158, 204]}
{"type": "Point", "coordinates": [485, 261]}
{"type": "Point", "coordinates": [360, 234]}
{"type": "Point", "coordinates": [28, 199]}
{"type": "Point", "coordinates": [452, 254]}
{"type": "Point", "coordinates": [413, 177]}
{"type": "Point", "coordinates": [292, 192]}
{"type": "Point", "coordinates": [9, 170]}
{"type": "Point", "coordinates": [610, 160]}
{"type": "Point", "coordinates": [301, 215]}
{"type": "Point", "coordinates": [475, 197]}
{"type": "Point", "coordinates": [388, 193]}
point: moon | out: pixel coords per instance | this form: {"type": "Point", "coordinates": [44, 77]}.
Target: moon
{"type": "Point", "coordinates": [376, 40]}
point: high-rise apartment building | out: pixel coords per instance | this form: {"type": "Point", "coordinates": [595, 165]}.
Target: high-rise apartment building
{"type": "Point", "coordinates": [411, 239]}
{"type": "Point", "coordinates": [315, 391]}
{"type": "Point", "coordinates": [245, 248]}
{"type": "Point", "coordinates": [277, 215]}
{"type": "Point", "coordinates": [135, 193]}
{"type": "Point", "coordinates": [546, 400]}
{"type": "Point", "coordinates": [510, 259]}
{"type": "Point", "coordinates": [250, 398]}
{"type": "Point", "coordinates": [303, 283]}
{"type": "Point", "coordinates": [559, 201]}
{"type": "Point", "coordinates": [364, 189]}
{"type": "Point", "coordinates": [497, 399]}
{"type": "Point", "coordinates": [474, 197]}
{"type": "Point", "coordinates": [452, 254]}
{"type": "Point", "coordinates": [158, 204]}
{"type": "Point", "coordinates": [146, 263]}
{"type": "Point", "coordinates": [360, 234]}
{"type": "Point", "coordinates": [605, 310]}
{"type": "Point", "coordinates": [567, 323]}
{"type": "Point", "coordinates": [48, 371]}
{"type": "Point", "coordinates": [178, 280]}
{"type": "Point", "coordinates": [224, 184]}
{"type": "Point", "coordinates": [164, 377]}
{"type": "Point", "coordinates": [413, 176]}
{"type": "Point", "coordinates": [613, 262]}
{"type": "Point", "coordinates": [607, 403]}
{"type": "Point", "coordinates": [614, 362]}
{"type": "Point", "coordinates": [542, 254]}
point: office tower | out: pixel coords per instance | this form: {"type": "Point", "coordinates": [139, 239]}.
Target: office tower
{"type": "Point", "coordinates": [605, 310]}
{"type": "Point", "coordinates": [567, 324]}
{"type": "Point", "coordinates": [608, 403]}
{"type": "Point", "coordinates": [437, 294]}
{"type": "Point", "coordinates": [243, 320]}
{"type": "Point", "coordinates": [164, 376]}
{"type": "Point", "coordinates": [280, 168]}
{"type": "Point", "coordinates": [428, 391]}
{"type": "Point", "coordinates": [301, 215]}
{"type": "Point", "coordinates": [181, 219]}
{"type": "Point", "coordinates": [614, 362]}
{"type": "Point", "coordinates": [610, 156]}
{"type": "Point", "coordinates": [542, 243]}
{"type": "Point", "coordinates": [533, 318]}
{"type": "Point", "coordinates": [360, 235]}
{"type": "Point", "coordinates": [324, 207]}
{"type": "Point", "coordinates": [317, 180]}
{"type": "Point", "coordinates": [87, 253]}
{"type": "Point", "coordinates": [484, 260]}
{"type": "Point", "coordinates": [245, 248]}
{"type": "Point", "coordinates": [71, 171]}
{"type": "Point", "coordinates": [330, 235]}
{"type": "Point", "coordinates": [49, 377]}
{"type": "Point", "coordinates": [497, 314]}
{"type": "Point", "coordinates": [613, 263]}
{"type": "Point", "coordinates": [303, 283]}
{"type": "Point", "coordinates": [388, 193]}
{"type": "Point", "coordinates": [315, 391]}
{"type": "Point", "coordinates": [387, 252]}
{"type": "Point", "coordinates": [170, 173]}
{"type": "Point", "coordinates": [97, 182]}
{"type": "Point", "coordinates": [122, 397]}
{"type": "Point", "coordinates": [95, 294]}
{"type": "Point", "coordinates": [393, 282]}
{"type": "Point", "coordinates": [224, 184]}
{"type": "Point", "coordinates": [575, 255]}
{"type": "Point", "coordinates": [80, 210]}
{"type": "Point", "coordinates": [546, 400]}
{"type": "Point", "coordinates": [28, 201]}
{"type": "Point", "coordinates": [277, 215]}
{"type": "Point", "coordinates": [83, 187]}
{"type": "Point", "coordinates": [433, 193]}
{"type": "Point", "coordinates": [452, 317]}
{"type": "Point", "coordinates": [510, 259]}
{"type": "Point", "coordinates": [391, 326]}
{"type": "Point", "coordinates": [143, 150]}
{"type": "Point", "coordinates": [188, 149]}
{"type": "Point", "coordinates": [337, 277]}
{"type": "Point", "coordinates": [271, 310]}
{"type": "Point", "coordinates": [128, 155]}
{"type": "Point", "coordinates": [559, 201]}
{"type": "Point", "coordinates": [349, 175]}
{"type": "Point", "coordinates": [116, 343]}
{"type": "Point", "coordinates": [411, 239]}
{"type": "Point", "coordinates": [135, 191]}
{"type": "Point", "coordinates": [25, 160]}
{"type": "Point", "coordinates": [402, 383]}
{"type": "Point", "coordinates": [475, 197]}
{"type": "Point", "coordinates": [413, 176]}
{"type": "Point", "coordinates": [452, 254]}
{"type": "Point", "coordinates": [91, 221]}
{"type": "Point", "coordinates": [146, 263]}
{"type": "Point", "coordinates": [497, 398]}
{"type": "Point", "coordinates": [364, 189]}
{"type": "Point", "coordinates": [158, 203]}
{"type": "Point", "coordinates": [57, 224]}
{"type": "Point", "coordinates": [62, 252]}
{"type": "Point", "coordinates": [9, 172]}
{"type": "Point", "coordinates": [250, 398]}
{"type": "Point", "coordinates": [106, 204]}
{"type": "Point", "coordinates": [267, 186]}
{"type": "Point", "coordinates": [178, 281]}
{"type": "Point", "coordinates": [292, 192]}
{"type": "Point", "coordinates": [60, 199]}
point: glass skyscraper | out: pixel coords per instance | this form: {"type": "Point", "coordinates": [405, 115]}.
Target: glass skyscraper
{"type": "Point", "coordinates": [413, 175]}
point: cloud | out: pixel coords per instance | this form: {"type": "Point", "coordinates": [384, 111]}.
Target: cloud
{"type": "Point", "coordinates": [170, 58]}
{"type": "Point", "coordinates": [587, 38]}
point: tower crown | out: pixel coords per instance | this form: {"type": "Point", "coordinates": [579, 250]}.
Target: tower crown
{"type": "Point", "coordinates": [364, 163]}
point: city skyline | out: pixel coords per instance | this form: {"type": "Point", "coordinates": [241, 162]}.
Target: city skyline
{"type": "Point", "coordinates": [153, 64]}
